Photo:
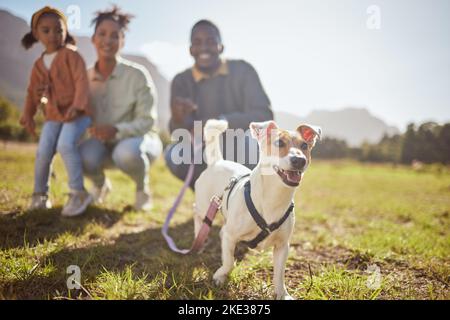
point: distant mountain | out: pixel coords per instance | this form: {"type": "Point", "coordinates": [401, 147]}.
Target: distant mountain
{"type": "Point", "coordinates": [354, 125]}
{"type": "Point", "coordinates": [16, 64]}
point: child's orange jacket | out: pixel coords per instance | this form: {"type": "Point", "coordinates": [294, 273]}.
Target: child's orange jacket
{"type": "Point", "coordinates": [67, 82]}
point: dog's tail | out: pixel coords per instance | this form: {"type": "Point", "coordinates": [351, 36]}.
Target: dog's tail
{"type": "Point", "coordinates": [213, 129]}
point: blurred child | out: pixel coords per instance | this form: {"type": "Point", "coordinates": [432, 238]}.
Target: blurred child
{"type": "Point", "coordinates": [58, 84]}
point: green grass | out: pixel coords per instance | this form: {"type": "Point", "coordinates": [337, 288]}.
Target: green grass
{"type": "Point", "coordinates": [350, 217]}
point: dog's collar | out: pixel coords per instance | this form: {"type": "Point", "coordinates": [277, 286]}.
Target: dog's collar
{"type": "Point", "coordinates": [266, 229]}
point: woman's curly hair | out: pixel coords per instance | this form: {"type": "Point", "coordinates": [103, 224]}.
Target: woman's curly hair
{"type": "Point", "coordinates": [114, 14]}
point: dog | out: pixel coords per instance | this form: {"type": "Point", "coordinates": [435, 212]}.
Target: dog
{"type": "Point", "coordinates": [283, 159]}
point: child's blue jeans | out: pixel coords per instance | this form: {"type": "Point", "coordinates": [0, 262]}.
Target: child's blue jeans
{"type": "Point", "coordinates": [63, 138]}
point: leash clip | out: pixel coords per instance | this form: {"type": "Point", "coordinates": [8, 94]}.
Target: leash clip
{"type": "Point", "coordinates": [233, 181]}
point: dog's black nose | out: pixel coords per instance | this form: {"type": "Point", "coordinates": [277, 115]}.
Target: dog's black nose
{"type": "Point", "coordinates": [298, 162]}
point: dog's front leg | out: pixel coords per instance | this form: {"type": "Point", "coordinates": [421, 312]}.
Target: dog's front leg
{"type": "Point", "coordinates": [280, 254]}
{"type": "Point", "coordinates": [228, 246]}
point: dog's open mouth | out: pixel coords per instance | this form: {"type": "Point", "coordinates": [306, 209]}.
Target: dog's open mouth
{"type": "Point", "coordinates": [290, 177]}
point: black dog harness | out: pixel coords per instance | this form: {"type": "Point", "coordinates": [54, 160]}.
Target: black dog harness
{"type": "Point", "coordinates": [233, 182]}
{"type": "Point", "coordinates": [266, 229]}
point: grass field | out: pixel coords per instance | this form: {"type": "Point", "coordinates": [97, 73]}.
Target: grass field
{"type": "Point", "coordinates": [351, 219]}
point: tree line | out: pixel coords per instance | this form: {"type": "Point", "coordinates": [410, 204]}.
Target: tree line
{"type": "Point", "coordinates": [10, 129]}
{"type": "Point", "coordinates": [428, 142]}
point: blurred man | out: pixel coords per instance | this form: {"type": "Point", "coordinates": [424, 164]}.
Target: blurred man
{"type": "Point", "coordinates": [215, 88]}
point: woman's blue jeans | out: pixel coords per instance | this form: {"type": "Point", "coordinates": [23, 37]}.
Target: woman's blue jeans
{"type": "Point", "coordinates": [132, 156]}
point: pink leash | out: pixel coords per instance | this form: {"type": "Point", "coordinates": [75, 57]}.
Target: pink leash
{"type": "Point", "coordinates": [206, 226]}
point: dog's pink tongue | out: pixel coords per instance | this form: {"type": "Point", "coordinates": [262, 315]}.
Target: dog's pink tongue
{"type": "Point", "coordinates": [294, 176]}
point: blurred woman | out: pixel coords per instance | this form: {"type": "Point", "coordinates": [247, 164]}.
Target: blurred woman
{"type": "Point", "coordinates": [124, 99]}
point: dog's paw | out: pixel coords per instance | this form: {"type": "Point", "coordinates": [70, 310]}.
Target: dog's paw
{"type": "Point", "coordinates": [285, 297]}
{"type": "Point", "coordinates": [219, 278]}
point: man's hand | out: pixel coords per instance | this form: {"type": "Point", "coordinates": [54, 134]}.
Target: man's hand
{"type": "Point", "coordinates": [181, 108]}
{"type": "Point", "coordinates": [28, 123]}
{"type": "Point", "coordinates": [103, 132]}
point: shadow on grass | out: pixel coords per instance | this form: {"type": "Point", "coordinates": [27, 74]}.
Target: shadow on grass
{"type": "Point", "coordinates": [33, 227]}
{"type": "Point", "coordinates": [146, 252]}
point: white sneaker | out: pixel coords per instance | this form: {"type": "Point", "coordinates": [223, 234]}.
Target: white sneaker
{"type": "Point", "coordinates": [40, 201]}
{"type": "Point", "coordinates": [143, 201]}
{"type": "Point", "coordinates": [77, 203]}
{"type": "Point", "coordinates": [99, 194]}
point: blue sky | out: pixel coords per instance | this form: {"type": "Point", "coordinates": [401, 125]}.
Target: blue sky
{"type": "Point", "coordinates": [310, 55]}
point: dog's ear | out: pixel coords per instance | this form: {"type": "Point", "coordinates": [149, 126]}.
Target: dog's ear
{"type": "Point", "coordinates": [260, 130]}
{"type": "Point", "coordinates": [310, 133]}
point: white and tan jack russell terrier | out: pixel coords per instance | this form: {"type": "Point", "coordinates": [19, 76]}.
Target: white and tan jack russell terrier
{"type": "Point", "coordinates": [258, 209]}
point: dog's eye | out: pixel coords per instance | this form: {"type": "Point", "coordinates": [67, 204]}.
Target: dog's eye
{"type": "Point", "coordinates": [279, 143]}
{"type": "Point", "coordinates": [304, 146]}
